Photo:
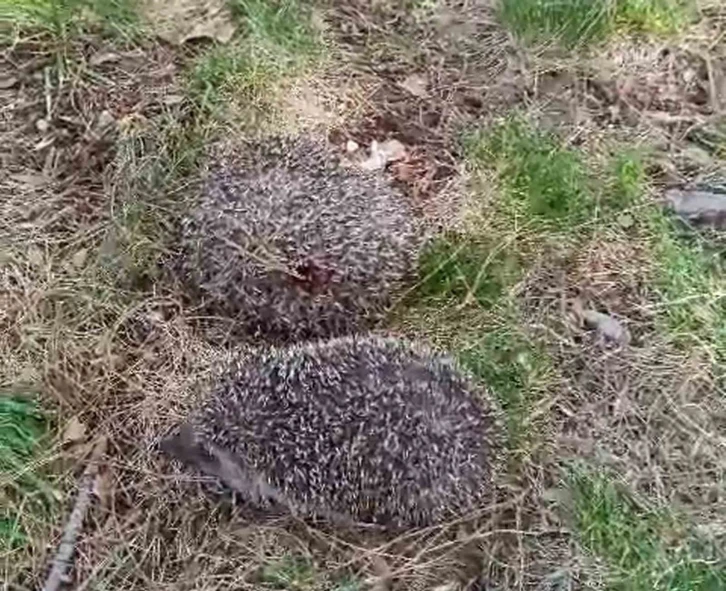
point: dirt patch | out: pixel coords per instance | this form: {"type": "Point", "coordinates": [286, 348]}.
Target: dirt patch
{"type": "Point", "coordinates": [60, 127]}
{"type": "Point", "coordinates": [423, 84]}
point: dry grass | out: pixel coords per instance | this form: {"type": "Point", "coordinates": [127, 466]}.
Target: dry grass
{"type": "Point", "coordinates": [90, 320]}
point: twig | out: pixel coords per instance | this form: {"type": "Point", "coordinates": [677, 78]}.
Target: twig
{"type": "Point", "coordinates": [63, 560]}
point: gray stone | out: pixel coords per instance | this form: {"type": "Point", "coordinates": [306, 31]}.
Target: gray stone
{"type": "Point", "coordinates": [699, 207]}
{"type": "Point", "coordinates": [609, 328]}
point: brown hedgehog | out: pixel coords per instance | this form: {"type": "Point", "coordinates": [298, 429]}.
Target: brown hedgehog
{"type": "Point", "coordinates": [293, 246]}
{"type": "Point", "coordinates": [360, 429]}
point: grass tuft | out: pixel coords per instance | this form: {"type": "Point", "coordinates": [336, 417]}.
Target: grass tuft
{"type": "Point", "coordinates": [691, 285]}
{"type": "Point", "coordinates": [63, 19]}
{"type": "Point", "coordinates": [627, 179]}
{"type": "Point", "coordinates": [541, 179]}
{"type": "Point", "coordinates": [277, 39]}
{"type": "Point", "coordinates": [461, 268]}
{"type": "Point", "coordinates": [580, 22]}
{"type": "Point", "coordinates": [22, 429]}
{"type": "Point", "coordinates": [644, 549]}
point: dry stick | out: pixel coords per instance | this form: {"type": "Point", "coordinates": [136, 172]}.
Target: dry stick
{"type": "Point", "coordinates": [63, 559]}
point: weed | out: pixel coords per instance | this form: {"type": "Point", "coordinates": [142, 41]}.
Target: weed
{"type": "Point", "coordinates": [644, 549]}
{"type": "Point", "coordinates": [658, 17]}
{"type": "Point", "coordinates": [516, 369]}
{"type": "Point", "coordinates": [541, 179]}
{"type": "Point", "coordinates": [626, 180]}
{"type": "Point", "coordinates": [572, 22]}
{"type": "Point", "coordinates": [22, 428]}
{"type": "Point", "coordinates": [294, 573]}
{"type": "Point", "coordinates": [279, 24]}
{"type": "Point", "coordinates": [457, 267]}
{"type": "Point", "coordinates": [236, 70]}
{"type": "Point", "coordinates": [580, 22]}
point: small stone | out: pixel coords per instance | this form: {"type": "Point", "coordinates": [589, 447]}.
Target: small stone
{"type": "Point", "coordinates": [42, 125]}
{"type": "Point", "coordinates": [351, 146]}
{"type": "Point", "coordinates": [415, 84]}
{"type": "Point", "coordinates": [699, 207]}
{"type": "Point", "coordinates": [79, 259]}
{"type": "Point", "coordinates": [105, 121]}
{"type": "Point", "coordinates": [75, 431]}
{"type": "Point", "coordinates": [607, 327]}
{"type": "Point", "coordinates": [625, 221]}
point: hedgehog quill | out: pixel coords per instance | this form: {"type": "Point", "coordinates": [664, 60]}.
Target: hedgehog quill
{"type": "Point", "coordinates": [291, 245]}
{"type": "Point", "coordinates": [360, 429]}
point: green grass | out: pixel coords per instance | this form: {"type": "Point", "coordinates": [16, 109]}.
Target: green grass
{"type": "Point", "coordinates": [579, 22]}
{"type": "Point", "coordinates": [298, 573]}
{"type": "Point", "coordinates": [689, 272]}
{"type": "Point", "coordinates": [691, 282]}
{"type": "Point", "coordinates": [276, 39]}
{"type": "Point", "coordinates": [643, 549]}
{"type": "Point", "coordinates": [626, 180]}
{"type": "Point", "coordinates": [24, 493]}
{"type": "Point", "coordinates": [459, 268]}
{"type": "Point", "coordinates": [541, 179]}
{"type": "Point", "coordinates": [63, 19]}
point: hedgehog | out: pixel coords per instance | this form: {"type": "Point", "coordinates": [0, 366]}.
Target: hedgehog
{"type": "Point", "coordinates": [294, 246]}
{"type": "Point", "coordinates": [356, 430]}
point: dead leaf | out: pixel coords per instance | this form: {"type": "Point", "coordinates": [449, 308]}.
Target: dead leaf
{"type": "Point", "coordinates": [415, 84]}
{"type": "Point", "coordinates": [178, 21]}
{"type": "Point", "coordinates": [75, 431]}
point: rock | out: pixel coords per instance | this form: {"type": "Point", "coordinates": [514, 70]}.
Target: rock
{"type": "Point", "coordinates": [75, 431]}
{"type": "Point", "coordinates": [415, 84]}
{"type": "Point", "coordinates": [609, 328]}
{"type": "Point", "coordinates": [105, 124]}
{"type": "Point", "coordinates": [351, 146]}
{"type": "Point", "coordinates": [698, 207]}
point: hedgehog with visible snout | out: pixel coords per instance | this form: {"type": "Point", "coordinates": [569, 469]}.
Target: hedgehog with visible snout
{"type": "Point", "coordinates": [355, 429]}
{"type": "Point", "coordinates": [292, 245]}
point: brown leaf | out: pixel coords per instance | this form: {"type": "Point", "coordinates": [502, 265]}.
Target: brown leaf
{"type": "Point", "coordinates": [75, 431]}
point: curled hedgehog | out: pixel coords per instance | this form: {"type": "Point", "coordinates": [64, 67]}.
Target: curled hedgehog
{"type": "Point", "coordinates": [355, 429]}
{"type": "Point", "coordinates": [292, 245]}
